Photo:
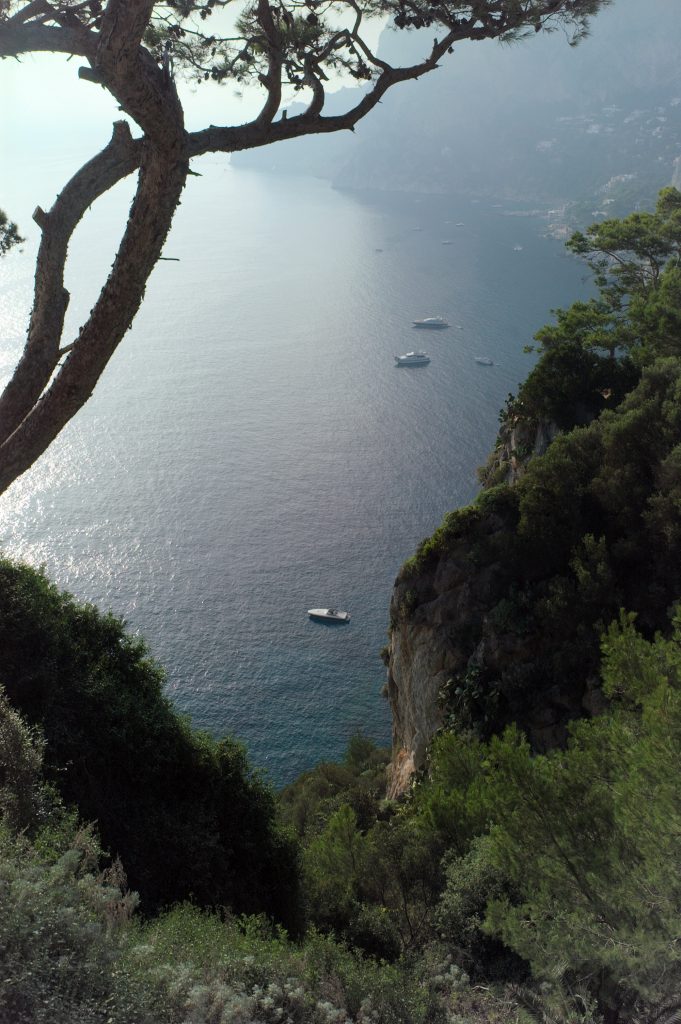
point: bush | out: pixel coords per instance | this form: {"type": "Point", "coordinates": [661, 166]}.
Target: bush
{"type": "Point", "coordinates": [58, 943]}
{"type": "Point", "coordinates": [193, 967]}
{"type": "Point", "coordinates": [183, 811]}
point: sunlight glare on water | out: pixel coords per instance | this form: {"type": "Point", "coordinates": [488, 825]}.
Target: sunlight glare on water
{"type": "Point", "coordinates": [252, 451]}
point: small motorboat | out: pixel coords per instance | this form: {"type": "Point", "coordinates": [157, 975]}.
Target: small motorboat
{"type": "Point", "coordinates": [412, 359]}
{"type": "Point", "coordinates": [484, 360]}
{"type": "Point", "coordinates": [432, 322]}
{"type": "Point", "coordinates": [328, 615]}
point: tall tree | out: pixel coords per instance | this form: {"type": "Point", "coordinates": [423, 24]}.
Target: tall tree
{"type": "Point", "coordinates": [135, 49]}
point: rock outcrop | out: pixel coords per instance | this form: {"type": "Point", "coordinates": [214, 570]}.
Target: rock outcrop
{"type": "Point", "coordinates": [498, 617]}
{"type": "Point", "coordinates": [456, 651]}
{"type": "Point", "coordinates": [430, 615]}
{"type": "Point", "coordinates": [519, 441]}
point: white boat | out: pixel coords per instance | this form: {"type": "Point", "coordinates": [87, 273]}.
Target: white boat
{"type": "Point", "coordinates": [412, 359]}
{"type": "Point", "coordinates": [328, 615]}
{"type": "Point", "coordinates": [517, 248]}
{"type": "Point", "coordinates": [484, 360]}
{"type": "Point", "coordinates": [434, 322]}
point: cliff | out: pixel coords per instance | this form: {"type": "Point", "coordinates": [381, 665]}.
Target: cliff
{"type": "Point", "coordinates": [498, 616]}
{"type": "Point", "coordinates": [457, 648]}
{"type": "Point", "coordinates": [537, 122]}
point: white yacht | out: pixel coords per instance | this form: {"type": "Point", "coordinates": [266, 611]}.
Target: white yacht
{"type": "Point", "coordinates": [412, 359]}
{"type": "Point", "coordinates": [328, 615]}
{"type": "Point", "coordinates": [434, 322]}
{"type": "Point", "coordinates": [484, 360]}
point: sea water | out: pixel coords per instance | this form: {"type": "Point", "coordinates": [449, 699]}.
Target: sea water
{"type": "Point", "coordinates": [253, 451]}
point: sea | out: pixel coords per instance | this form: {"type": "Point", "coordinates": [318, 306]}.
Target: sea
{"type": "Point", "coordinates": [252, 450]}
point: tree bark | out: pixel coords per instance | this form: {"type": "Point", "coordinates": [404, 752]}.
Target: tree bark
{"type": "Point", "coordinates": [42, 351]}
{"type": "Point", "coordinates": [163, 173]}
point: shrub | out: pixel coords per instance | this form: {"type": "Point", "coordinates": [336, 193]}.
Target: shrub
{"type": "Point", "coordinates": [184, 812]}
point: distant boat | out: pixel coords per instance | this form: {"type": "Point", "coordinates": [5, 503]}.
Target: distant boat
{"type": "Point", "coordinates": [328, 615]}
{"type": "Point", "coordinates": [448, 241]}
{"type": "Point", "coordinates": [412, 359]}
{"type": "Point", "coordinates": [459, 223]}
{"type": "Point", "coordinates": [434, 322]}
{"type": "Point", "coordinates": [484, 360]}
{"type": "Point", "coordinates": [517, 248]}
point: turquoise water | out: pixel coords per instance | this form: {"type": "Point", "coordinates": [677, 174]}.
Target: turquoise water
{"type": "Point", "coordinates": [252, 451]}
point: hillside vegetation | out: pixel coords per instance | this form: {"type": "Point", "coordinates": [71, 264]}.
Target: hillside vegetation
{"type": "Point", "coordinates": [592, 525]}
{"type": "Point", "coordinates": [184, 812]}
{"type": "Point", "coordinates": [510, 885]}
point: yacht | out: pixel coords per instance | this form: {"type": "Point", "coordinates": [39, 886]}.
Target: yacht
{"type": "Point", "coordinates": [328, 615]}
{"type": "Point", "coordinates": [412, 359]}
{"type": "Point", "coordinates": [484, 360]}
{"type": "Point", "coordinates": [434, 322]}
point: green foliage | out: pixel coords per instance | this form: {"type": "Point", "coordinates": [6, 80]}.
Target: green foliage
{"type": "Point", "coordinates": [571, 385]}
{"type": "Point", "coordinates": [307, 804]}
{"type": "Point", "coordinates": [627, 255]}
{"type": "Point", "coordinates": [192, 966]}
{"type": "Point", "coordinates": [22, 796]}
{"type": "Point", "coordinates": [368, 875]}
{"type": "Point", "coordinates": [590, 836]}
{"type": "Point", "coordinates": [590, 527]}
{"type": "Point", "coordinates": [472, 881]}
{"type": "Point", "coordinates": [471, 522]}
{"type": "Point", "coordinates": [593, 326]}
{"type": "Point", "coordinates": [183, 811]}
{"type": "Point", "coordinates": [309, 41]}
{"type": "Point", "coordinates": [61, 916]}
{"type": "Point", "coordinates": [592, 355]}
{"type": "Point", "coordinates": [9, 234]}
{"type": "Point", "coordinates": [449, 804]}
{"type": "Point", "coordinates": [374, 886]}
{"type": "Point", "coordinates": [635, 263]}
{"type": "Point", "coordinates": [54, 954]}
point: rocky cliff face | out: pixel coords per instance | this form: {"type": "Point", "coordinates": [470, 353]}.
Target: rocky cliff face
{"type": "Point", "coordinates": [498, 617]}
{"type": "Point", "coordinates": [519, 441]}
{"type": "Point", "coordinates": [455, 646]}
{"type": "Point", "coordinates": [440, 629]}
{"type": "Point", "coordinates": [458, 645]}
{"type": "Point", "coordinates": [429, 646]}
